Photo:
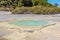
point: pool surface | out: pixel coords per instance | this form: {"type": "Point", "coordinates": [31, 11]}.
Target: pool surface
{"type": "Point", "coordinates": [29, 23]}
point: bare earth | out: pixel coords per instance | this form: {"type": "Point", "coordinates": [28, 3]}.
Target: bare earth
{"type": "Point", "coordinates": [13, 32]}
{"type": "Point", "coordinates": [47, 33]}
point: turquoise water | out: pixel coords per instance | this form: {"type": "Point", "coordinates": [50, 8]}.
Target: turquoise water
{"type": "Point", "coordinates": [29, 23]}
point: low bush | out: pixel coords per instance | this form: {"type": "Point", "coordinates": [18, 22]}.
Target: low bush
{"type": "Point", "coordinates": [5, 9]}
{"type": "Point", "coordinates": [19, 10]}
{"type": "Point", "coordinates": [34, 10]}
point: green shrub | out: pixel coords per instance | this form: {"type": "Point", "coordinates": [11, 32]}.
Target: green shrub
{"type": "Point", "coordinates": [5, 9]}
{"type": "Point", "coordinates": [16, 11]}
{"type": "Point", "coordinates": [37, 10]}
{"type": "Point", "coordinates": [19, 10]}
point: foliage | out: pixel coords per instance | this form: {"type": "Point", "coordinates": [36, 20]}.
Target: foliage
{"type": "Point", "coordinates": [36, 6]}
{"type": "Point", "coordinates": [19, 10]}
{"type": "Point", "coordinates": [56, 4]}
{"type": "Point", "coordinates": [37, 10]}
{"type": "Point", "coordinates": [19, 3]}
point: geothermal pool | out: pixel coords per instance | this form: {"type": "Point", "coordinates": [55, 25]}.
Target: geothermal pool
{"type": "Point", "coordinates": [30, 23]}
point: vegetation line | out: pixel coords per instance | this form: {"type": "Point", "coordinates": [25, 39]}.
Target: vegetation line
{"type": "Point", "coordinates": [29, 6]}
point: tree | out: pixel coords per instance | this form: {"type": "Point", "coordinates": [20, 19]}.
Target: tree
{"type": "Point", "coordinates": [36, 3]}
{"type": "Point", "coordinates": [27, 3]}
{"type": "Point", "coordinates": [56, 4]}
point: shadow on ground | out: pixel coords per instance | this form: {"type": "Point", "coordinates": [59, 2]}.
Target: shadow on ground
{"type": "Point", "coordinates": [3, 39]}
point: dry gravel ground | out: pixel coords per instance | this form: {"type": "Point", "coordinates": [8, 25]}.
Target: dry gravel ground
{"type": "Point", "coordinates": [5, 16]}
